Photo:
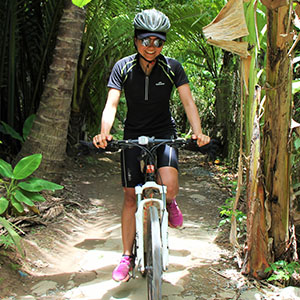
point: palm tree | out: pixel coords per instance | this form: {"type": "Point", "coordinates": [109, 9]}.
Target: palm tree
{"type": "Point", "coordinates": [28, 33]}
{"type": "Point", "coordinates": [49, 132]}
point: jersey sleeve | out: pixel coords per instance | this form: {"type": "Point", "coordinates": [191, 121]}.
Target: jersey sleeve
{"type": "Point", "coordinates": [180, 75]}
{"type": "Point", "coordinates": [115, 78]}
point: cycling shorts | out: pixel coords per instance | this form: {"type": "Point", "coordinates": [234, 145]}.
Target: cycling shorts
{"type": "Point", "coordinates": [131, 170]}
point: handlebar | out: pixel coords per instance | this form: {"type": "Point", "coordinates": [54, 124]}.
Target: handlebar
{"type": "Point", "coordinates": [148, 142]}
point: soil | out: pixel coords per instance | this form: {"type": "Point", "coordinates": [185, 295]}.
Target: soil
{"type": "Point", "coordinates": [73, 246]}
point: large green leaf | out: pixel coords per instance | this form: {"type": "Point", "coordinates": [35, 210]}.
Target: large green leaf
{"type": "Point", "coordinates": [297, 144]}
{"type": "Point", "coordinates": [17, 205]}
{"type": "Point", "coordinates": [15, 237]}
{"type": "Point", "coordinates": [26, 166]}
{"type": "Point", "coordinates": [6, 129]}
{"type": "Point", "coordinates": [81, 3]}
{"type": "Point", "coordinates": [34, 196]}
{"type": "Point", "coordinates": [6, 169]}
{"type": "Point", "coordinates": [3, 205]}
{"type": "Point", "coordinates": [27, 126]}
{"type": "Point", "coordinates": [295, 86]}
{"type": "Point", "coordinates": [22, 198]}
{"type": "Point", "coordinates": [37, 185]}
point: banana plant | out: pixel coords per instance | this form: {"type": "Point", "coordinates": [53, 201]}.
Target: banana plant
{"type": "Point", "coordinates": [21, 191]}
{"type": "Point", "coordinates": [7, 129]}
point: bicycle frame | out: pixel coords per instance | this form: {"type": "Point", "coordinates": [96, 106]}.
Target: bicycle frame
{"type": "Point", "coordinates": [139, 215]}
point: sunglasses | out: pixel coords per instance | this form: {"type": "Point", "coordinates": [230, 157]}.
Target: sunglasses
{"type": "Point", "coordinates": [146, 42]}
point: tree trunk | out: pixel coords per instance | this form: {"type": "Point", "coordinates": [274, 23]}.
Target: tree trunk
{"type": "Point", "coordinates": [268, 195]}
{"type": "Point", "coordinates": [276, 139]}
{"type": "Point", "coordinates": [49, 132]}
{"type": "Point", "coordinates": [257, 256]}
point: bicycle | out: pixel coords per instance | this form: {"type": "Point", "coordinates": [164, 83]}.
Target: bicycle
{"type": "Point", "coordinates": [151, 251]}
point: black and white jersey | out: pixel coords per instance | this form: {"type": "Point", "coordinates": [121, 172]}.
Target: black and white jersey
{"type": "Point", "coordinates": [147, 97]}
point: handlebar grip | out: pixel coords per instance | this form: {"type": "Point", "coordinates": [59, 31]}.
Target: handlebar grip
{"type": "Point", "coordinates": [112, 146]}
{"type": "Point", "coordinates": [212, 148]}
{"type": "Point", "coordinates": [87, 147]}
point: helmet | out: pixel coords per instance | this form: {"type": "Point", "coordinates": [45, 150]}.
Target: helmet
{"type": "Point", "coordinates": [151, 21]}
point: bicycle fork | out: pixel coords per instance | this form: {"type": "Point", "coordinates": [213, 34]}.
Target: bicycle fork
{"type": "Point", "coordinates": [139, 217]}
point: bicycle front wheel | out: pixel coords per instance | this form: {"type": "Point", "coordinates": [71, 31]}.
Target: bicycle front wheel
{"type": "Point", "coordinates": [154, 259]}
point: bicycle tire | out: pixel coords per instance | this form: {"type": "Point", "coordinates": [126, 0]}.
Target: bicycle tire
{"type": "Point", "coordinates": [154, 259]}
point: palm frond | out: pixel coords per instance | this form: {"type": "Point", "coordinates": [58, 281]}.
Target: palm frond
{"type": "Point", "coordinates": [25, 54]}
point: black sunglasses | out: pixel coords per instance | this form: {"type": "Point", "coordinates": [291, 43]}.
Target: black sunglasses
{"type": "Point", "coordinates": [146, 42]}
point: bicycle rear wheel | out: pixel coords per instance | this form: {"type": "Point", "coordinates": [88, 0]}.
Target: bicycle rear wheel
{"type": "Point", "coordinates": [154, 259]}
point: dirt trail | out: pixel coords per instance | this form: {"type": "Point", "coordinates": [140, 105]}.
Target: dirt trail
{"type": "Point", "coordinates": [73, 258]}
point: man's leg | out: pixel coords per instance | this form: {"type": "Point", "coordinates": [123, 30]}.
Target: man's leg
{"type": "Point", "coordinates": [121, 272]}
{"type": "Point", "coordinates": [128, 220]}
{"type": "Point", "coordinates": [169, 177]}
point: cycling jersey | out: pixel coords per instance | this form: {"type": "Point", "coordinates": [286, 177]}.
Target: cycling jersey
{"type": "Point", "coordinates": [147, 97]}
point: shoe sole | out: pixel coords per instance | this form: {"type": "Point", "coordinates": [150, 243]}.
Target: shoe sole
{"type": "Point", "coordinates": [176, 227]}
{"type": "Point", "coordinates": [126, 279]}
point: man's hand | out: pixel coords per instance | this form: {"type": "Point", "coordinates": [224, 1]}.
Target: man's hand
{"type": "Point", "coordinates": [100, 140]}
{"type": "Point", "coordinates": [202, 139]}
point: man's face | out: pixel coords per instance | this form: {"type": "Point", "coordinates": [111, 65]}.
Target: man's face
{"type": "Point", "coordinates": [149, 47]}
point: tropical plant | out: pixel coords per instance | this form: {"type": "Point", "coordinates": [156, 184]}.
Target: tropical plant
{"type": "Point", "coordinates": [7, 129]}
{"type": "Point", "coordinates": [282, 271]}
{"type": "Point", "coordinates": [81, 3]}
{"type": "Point", "coordinates": [21, 191]}
{"type": "Point", "coordinates": [28, 35]}
{"type": "Point", "coordinates": [13, 238]}
{"type": "Point", "coordinates": [49, 131]}
{"type": "Point", "coordinates": [103, 45]}
{"type": "Point", "coordinates": [227, 212]}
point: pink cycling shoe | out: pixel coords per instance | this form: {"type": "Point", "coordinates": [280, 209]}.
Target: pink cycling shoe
{"type": "Point", "coordinates": [175, 215]}
{"type": "Point", "coordinates": [121, 272]}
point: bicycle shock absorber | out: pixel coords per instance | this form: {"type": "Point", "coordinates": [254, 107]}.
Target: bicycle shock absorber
{"type": "Point", "coordinates": [150, 169]}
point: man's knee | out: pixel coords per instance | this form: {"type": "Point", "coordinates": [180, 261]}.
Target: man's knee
{"type": "Point", "coordinates": [129, 197]}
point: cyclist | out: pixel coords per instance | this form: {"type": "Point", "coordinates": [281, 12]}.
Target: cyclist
{"type": "Point", "coordinates": [147, 79]}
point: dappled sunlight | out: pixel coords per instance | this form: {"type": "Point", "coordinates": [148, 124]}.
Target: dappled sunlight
{"type": "Point", "coordinates": [95, 289]}
{"type": "Point", "coordinates": [86, 182]}
{"type": "Point", "coordinates": [88, 245]}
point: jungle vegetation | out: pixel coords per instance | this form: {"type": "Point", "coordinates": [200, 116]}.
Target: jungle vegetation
{"type": "Point", "coordinates": [55, 59]}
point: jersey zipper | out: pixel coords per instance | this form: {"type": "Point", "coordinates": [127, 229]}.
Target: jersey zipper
{"type": "Point", "coordinates": [146, 88]}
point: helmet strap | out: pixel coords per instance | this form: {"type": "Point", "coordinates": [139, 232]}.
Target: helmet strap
{"type": "Point", "coordinates": [150, 62]}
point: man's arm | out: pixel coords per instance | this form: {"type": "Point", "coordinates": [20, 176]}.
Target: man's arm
{"type": "Point", "coordinates": [108, 117]}
{"type": "Point", "coordinates": [192, 114]}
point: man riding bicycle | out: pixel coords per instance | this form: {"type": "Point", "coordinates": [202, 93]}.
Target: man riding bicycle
{"type": "Point", "coordinates": [147, 79]}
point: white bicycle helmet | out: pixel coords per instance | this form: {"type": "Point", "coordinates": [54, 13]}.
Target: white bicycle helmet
{"type": "Point", "coordinates": [151, 22]}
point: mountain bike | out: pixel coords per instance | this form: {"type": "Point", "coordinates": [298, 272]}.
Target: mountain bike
{"type": "Point", "coordinates": [151, 250]}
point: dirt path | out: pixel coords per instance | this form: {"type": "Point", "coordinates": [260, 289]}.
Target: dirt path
{"type": "Point", "coordinates": [73, 258]}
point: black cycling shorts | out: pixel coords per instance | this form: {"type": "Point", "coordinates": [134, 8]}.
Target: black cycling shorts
{"type": "Point", "coordinates": [131, 172]}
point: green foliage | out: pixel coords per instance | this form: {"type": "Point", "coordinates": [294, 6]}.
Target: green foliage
{"type": "Point", "coordinates": [28, 37]}
{"type": "Point", "coordinates": [226, 211]}
{"type": "Point", "coordinates": [13, 237]}
{"type": "Point", "coordinates": [81, 3]}
{"type": "Point", "coordinates": [282, 270]}
{"type": "Point", "coordinates": [110, 30]}
{"type": "Point", "coordinates": [7, 129]}
{"type": "Point", "coordinates": [20, 192]}
{"type": "Point", "coordinates": [6, 240]}
{"type": "Point", "coordinates": [295, 159]}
